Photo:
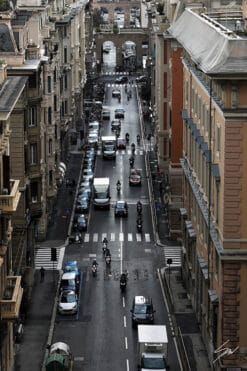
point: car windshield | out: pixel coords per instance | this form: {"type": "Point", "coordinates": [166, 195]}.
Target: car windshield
{"type": "Point", "coordinates": [142, 309]}
{"type": "Point", "coordinates": [120, 205]}
{"type": "Point", "coordinates": [153, 363]}
{"type": "Point", "coordinates": [68, 298]}
{"type": "Point", "coordinates": [70, 282]}
{"type": "Point", "coordinates": [81, 219]}
{"type": "Point", "coordinates": [109, 147]}
{"type": "Point", "coordinates": [101, 195]}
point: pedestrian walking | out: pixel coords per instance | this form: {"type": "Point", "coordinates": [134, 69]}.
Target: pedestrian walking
{"type": "Point", "coordinates": [42, 274]}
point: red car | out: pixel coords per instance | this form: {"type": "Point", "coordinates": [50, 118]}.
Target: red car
{"type": "Point", "coordinates": [135, 177]}
{"type": "Point", "coordinates": [121, 143]}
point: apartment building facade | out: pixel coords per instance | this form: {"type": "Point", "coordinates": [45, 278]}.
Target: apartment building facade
{"type": "Point", "coordinates": [43, 59]}
{"type": "Point", "coordinates": [213, 216]}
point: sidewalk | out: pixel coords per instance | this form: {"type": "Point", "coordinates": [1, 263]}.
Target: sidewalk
{"type": "Point", "coordinates": [38, 326]}
{"type": "Point", "coordinates": [185, 326]}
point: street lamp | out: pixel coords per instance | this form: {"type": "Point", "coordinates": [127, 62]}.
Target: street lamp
{"type": "Point", "coordinates": [169, 262]}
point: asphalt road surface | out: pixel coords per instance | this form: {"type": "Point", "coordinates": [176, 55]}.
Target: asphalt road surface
{"type": "Point", "coordinates": [101, 335]}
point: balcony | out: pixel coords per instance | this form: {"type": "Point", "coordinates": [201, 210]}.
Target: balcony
{"type": "Point", "coordinates": [11, 301]}
{"type": "Point", "coordinates": [9, 202]}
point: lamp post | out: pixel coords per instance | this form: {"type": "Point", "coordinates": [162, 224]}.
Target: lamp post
{"type": "Point", "coordinates": [169, 262]}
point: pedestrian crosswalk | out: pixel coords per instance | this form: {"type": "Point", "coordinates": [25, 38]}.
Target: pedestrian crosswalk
{"type": "Point", "coordinates": [112, 85]}
{"type": "Point", "coordinates": [138, 151]}
{"type": "Point", "coordinates": [43, 258]}
{"type": "Point", "coordinates": [174, 253]}
{"type": "Point", "coordinates": [116, 237]}
{"type": "Point", "coordinates": [114, 73]}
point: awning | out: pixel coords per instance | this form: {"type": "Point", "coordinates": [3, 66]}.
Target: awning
{"type": "Point", "coordinates": [63, 166]}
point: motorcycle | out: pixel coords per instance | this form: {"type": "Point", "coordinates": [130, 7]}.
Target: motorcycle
{"type": "Point", "coordinates": [139, 225]}
{"type": "Point", "coordinates": [139, 208]}
{"type": "Point", "coordinates": [133, 148]}
{"type": "Point", "coordinates": [104, 248]}
{"type": "Point", "coordinates": [123, 282]}
{"type": "Point", "coordinates": [108, 260]}
{"type": "Point", "coordinates": [94, 270]}
{"type": "Point", "coordinates": [131, 161]}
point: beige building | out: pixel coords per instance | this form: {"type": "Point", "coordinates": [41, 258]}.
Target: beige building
{"type": "Point", "coordinates": [42, 76]}
{"type": "Point", "coordinates": [11, 93]}
{"type": "Point", "coordinates": [213, 217]}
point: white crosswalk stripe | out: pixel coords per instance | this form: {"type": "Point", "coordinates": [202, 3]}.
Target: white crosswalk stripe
{"type": "Point", "coordinates": [139, 151]}
{"type": "Point", "coordinates": [114, 73]}
{"type": "Point", "coordinates": [116, 237]}
{"type": "Point", "coordinates": [174, 253]}
{"type": "Point", "coordinates": [86, 237]}
{"type": "Point", "coordinates": [43, 258]}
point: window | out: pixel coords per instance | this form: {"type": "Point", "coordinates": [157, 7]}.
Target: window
{"type": "Point", "coordinates": [33, 154]}
{"type": "Point", "coordinates": [34, 191]}
{"type": "Point", "coordinates": [32, 116]}
{"type": "Point", "coordinates": [55, 103]}
{"type": "Point", "coordinates": [49, 84]}
{"type": "Point", "coordinates": [50, 178]}
{"type": "Point", "coordinates": [50, 147]}
{"type": "Point", "coordinates": [234, 97]}
{"type": "Point", "coordinates": [65, 56]}
{"type": "Point", "coordinates": [49, 116]}
{"type": "Point", "coordinates": [55, 75]}
{"type": "Point", "coordinates": [217, 139]}
{"type": "Point", "coordinates": [66, 107]}
{"type": "Point", "coordinates": [65, 81]}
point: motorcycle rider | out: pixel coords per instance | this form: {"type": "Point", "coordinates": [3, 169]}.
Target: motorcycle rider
{"type": "Point", "coordinates": [127, 137]}
{"type": "Point", "coordinates": [105, 241]}
{"type": "Point", "coordinates": [131, 161]}
{"type": "Point", "coordinates": [133, 147]}
{"type": "Point", "coordinates": [118, 184]}
{"type": "Point", "coordinates": [139, 207]}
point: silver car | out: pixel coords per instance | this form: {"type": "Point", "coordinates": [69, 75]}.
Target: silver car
{"type": "Point", "coordinates": [67, 303]}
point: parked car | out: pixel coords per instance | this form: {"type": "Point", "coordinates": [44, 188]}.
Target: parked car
{"type": "Point", "coordinates": [82, 205]}
{"type": "Point", "coordinates": [121, 208]}
{"type": "Point", "coordinates": [67, 303]}
{"type": "Point", "coordinates": [141, 78]}
{"type": "Point", "coordinates": [93, 139]}
{"type": "Point", "coordinates": [83, 191]}
{"type": "Point", "coordinates": [142, 311]}
{"type": "Point", "coordinates": [119, 113]}
{"type": "Point", "coordinates": [85, 183]}
{"type": "Point", "coordinates": [121, 143]}
{"type": "Point", "coordinates": [116, 93]}
{"type": "Point", "coordinates": [94, 125]}
{"type": "Point", "coordinates": [88, 172]}
{"type": "Point", "coordinates": [116, 125]}
{"type": "Point", "coordinates": [106, 114]}
{"type": "Point", "coordinates": [69, 282]}
{"type": "Point", "coordinates": [80, 222]}
{"type": "Point", "coordinates": [71, 266]}
{"type": "Point", "coordinates": [121, 80]}
{"type": "Point", "coordinates": [135, 177]}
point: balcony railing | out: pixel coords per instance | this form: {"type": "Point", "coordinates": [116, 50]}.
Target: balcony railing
{"type": "Point", "coordinates": [9, 202]}
{"type": "Point", "coordinates": [11, 300]}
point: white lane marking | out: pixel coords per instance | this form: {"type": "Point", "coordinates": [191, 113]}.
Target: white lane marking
{"type": "Point", "coordinates": [121, 246]}
{"type": "Point", "coordinates": [121, 236]}
{"type": "Point", "coordinates": [123, 302]}
{"type": "Point", "coordinates": [130, 237]}
{"type": "Point", "coordinates": [112, 237]}
{"type": "Point", "coordinates": [126, 342]}
{"type": "Point", "coordinates": [124, 321]}
{"type": "Point", "coordinates": [95, 237]}
{"type": "Point", "coordinates": [127, 364]}
{"type": "Point", "coordinates": [138, 237]}
{"type": "Point", "coordinates": [86, 237]}
{"type": "Point", "coordinates": [147, 237]}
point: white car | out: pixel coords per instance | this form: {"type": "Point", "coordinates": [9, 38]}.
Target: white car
{"type": "Point", "coordinates": [67, 303]}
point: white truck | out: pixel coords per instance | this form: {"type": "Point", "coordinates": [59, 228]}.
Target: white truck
{"type": "Point", "coordinates": [152, 345]}
{"type": "Point", "coordinates": [109, 146]}
{"type": "Point", "coordinates": [101, 193]}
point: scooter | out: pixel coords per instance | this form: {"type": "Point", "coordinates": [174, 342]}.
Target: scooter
{"type": "Point", "coordinates": [123, 282]}
{"type": "Point", "coordinates": [94, 270]}
{"type": "Point", "coordinates": [139, 226]}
